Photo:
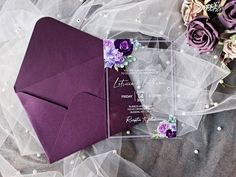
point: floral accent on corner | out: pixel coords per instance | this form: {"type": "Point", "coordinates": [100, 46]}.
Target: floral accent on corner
{"type": "Point", "coordinates": [118, 52]}
{"type": "Point", "coordinates": [166, 129]}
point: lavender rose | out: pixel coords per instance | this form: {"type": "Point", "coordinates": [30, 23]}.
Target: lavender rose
{"type": "Point", "coordinates": [162, 128]}
{"type": "Point", "coordinates": [124, 46]}
{"type": "Point", "coordinates": [228, 15]}
{"type": "Point", "coordinates": [112, 56]}
{"type": "Point", "coordinates": [202, 35]}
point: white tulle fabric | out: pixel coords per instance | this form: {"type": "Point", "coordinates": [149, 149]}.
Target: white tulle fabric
{"type": "Point", "coordinates": [196, 79]}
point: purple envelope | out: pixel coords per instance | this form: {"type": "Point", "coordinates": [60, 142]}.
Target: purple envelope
{"type": "Point", "coordinates": [61, 85]}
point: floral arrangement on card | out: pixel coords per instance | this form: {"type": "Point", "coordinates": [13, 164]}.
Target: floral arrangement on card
{"type": "Point", "coordinates": [211, 23]}
{"type": "Point", "coordinates": [118, 52]}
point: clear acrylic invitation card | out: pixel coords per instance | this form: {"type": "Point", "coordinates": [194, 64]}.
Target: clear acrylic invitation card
{"type": "Point", "coordinates": [140, 87]}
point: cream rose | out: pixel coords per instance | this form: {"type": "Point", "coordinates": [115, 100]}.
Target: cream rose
{"type": "Point", "coordinates": [230, 47]}
{"type": "Point", "coordinates": [190, 9]}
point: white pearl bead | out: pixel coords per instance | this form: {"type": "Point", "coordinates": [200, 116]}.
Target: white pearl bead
{"type": "Point", "coordinates": [221, 81]}
{"type": "Point", "coordinates": [38, 155]}
{"type": "Point", "coordinates": [219, 128]}
{"type": "Point", "coordinates": [58, 15]}
{"type": "Point", "coordinates": [128, 132]}
{"type": "Point", "coordinates": [138, 87]}
{"type": "Point", "coordinates": [35, 171]}
{"type": "Point", "coordinates": [215, 56]}
{"type": "Point", "coordinates": [215, 104]}
{"type": "Point", "coordinates": [196, 151]}
{"type": "Point", "coordinates": [159, 13]}
{"type": "Point", "coordinates": [105, 15]}
{"type": "Point", "coordinates": [182, 125]}
{"type": "Point", "coordinates": [72, 162]}
{"type": "Point", "coordinates": [178, 95]}
{"type": "Point", "coordinates": [182, 51]}
{"type": "Point", "coordinates": [207, 106]}
{"type": "Point", "coordinates": [167, 62]}
{"type": "Point", "coordinates": [180, 26]}
{"type": "Point", "coordinates": [26, 131]}
{"type": "Point", "coordinates": [3, 89]}
{"type": "Point", "coordinates": [161, 32]}
{"type": "Point", "coordinates": [114, 151]}
{"type": "Point", "coordinates": [183, 113]}
{"type": "Point", "coordinates": [83, 157]}
{"type": "Point", "coordinates": [138, 20]}
{"type": "Point", "coordinates": [18, 173]}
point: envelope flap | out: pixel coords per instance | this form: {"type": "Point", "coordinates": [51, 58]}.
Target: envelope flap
{"type": "Point", "coordinates": [55, 47]}
{"type": "Point", "coordinates": [46, 118]}
{"type": "Point", "coordinates": [84, 125]}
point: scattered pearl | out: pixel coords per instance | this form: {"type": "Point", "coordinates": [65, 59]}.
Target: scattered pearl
{"type": "Point", "coordinates": [72, 162]}
{"type": "Point", "coordinates": [18, 29]}
{"type": "Point", "coordinates": [168, 62]}
{"type": "Point", "coordinates": [3, 89]}
{"type": "Point", "coordinates": [138, 87]}
{"type": "Point", "coordinates": [58, 15]}
{"type": "Point", "coordinates": [178, 95]}
{"type": "Point", "coordinates": [114, 151]}
{"type": "Point", "coordinates": [26, 131]}
{"type": "Point", "coordinates": [38, 155]}
{"type": "Point", "coordinates": [196, 151]}
{"type": "Point", "coordinates": [138, 20]}
{"type": "Point", "coordinates": [159, 13]}
{"type": "Point", "coordinates": [215, 56]}
{"type": "Point", "coordinates": [128, 132]}
{"type": "Point", "coordinates": [207, 106]}
{"type": "Point", "coordinates": [18, 173]}
{"type": "Point", "coordinates": [215, 104]}
{"type": "Point", "coordinates": [34, 171]}
{"type": "Point", "coordinates": [105, 15]}
{"type": "Point", "coordinates": [161, 32]}
{"type": "Point", "coordinates": [219, 128]}
{"type": "Point", "coordinates": [182, 51]}
{"type": "Point", "coordinates": [180, 26]}
{"type": "Point", "coordinates": [221, 81]}
{"type": "Point", "coordinates": [81, 0]}
{"type": "Point", "coordinates": [83, 157]}
{"type": "Point", "coordinates": [183, 113]}
{"type": "Point", "coordinates": [182, 125]}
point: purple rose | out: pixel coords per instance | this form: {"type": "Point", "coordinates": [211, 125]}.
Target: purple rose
{"type": "Point", "coordinates": [124, 46]}
{"type": "Point", "coordinates": [228, 15]}
{"type": "Point", "coordinates": [170, 133]}
{"type": "Point", "coordinates": [202, 35]}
